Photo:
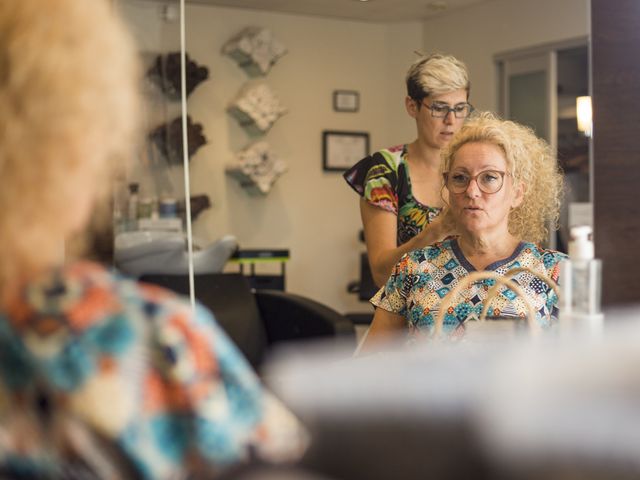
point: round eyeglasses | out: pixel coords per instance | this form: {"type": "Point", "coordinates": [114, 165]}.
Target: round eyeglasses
{"type": "Point", "coordinates": [488, 181]}
{"type": "Point", "coordinates": [441, 110]}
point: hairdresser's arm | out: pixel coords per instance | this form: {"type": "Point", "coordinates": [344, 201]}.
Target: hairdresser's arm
{"type": "Point", "coordinates": [385, 328]}
{"type": "Point", "coordinates": [380, 233]}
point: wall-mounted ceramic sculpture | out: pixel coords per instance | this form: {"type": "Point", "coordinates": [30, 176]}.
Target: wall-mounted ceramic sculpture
{"type": "Point", "coordinates": [257, 168]}
{"type": "Point", "coordinates": [165, 72]}
{"type": "Point", "coordinates": [255, 50]}
{"type": "Point", "coordinates": [256, 108]}
{"type": "Point", "coordinates": [168, 138]}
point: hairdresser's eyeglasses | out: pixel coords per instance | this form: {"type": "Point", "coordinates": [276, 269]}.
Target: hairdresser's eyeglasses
{"type": "Point", "coordinates": [441, 110]}
{"type": "Point", "coordinates": [488, 181]}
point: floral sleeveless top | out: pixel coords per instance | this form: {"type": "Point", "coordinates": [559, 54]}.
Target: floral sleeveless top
{"type": "Point", "coordinates": [383, 180]}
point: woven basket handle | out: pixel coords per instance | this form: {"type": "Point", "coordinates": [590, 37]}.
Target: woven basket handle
{"type": "Point", "coordinates": [512, 273]}
{"type": "Point", "coordinates": [500, 280]}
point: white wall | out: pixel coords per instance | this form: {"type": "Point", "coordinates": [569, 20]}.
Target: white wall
{"type": "Point", "coordinates": [475, 34]}
{"type": "Point", "coordinates": [311, 212]}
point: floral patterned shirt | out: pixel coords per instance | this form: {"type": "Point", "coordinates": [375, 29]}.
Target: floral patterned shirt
{"type": "Point", "coordinates": [137, 365]}
{"type": "Point", "coordinates": [383, 180]}
{"type": "Point", "coordinates": [425, 276]}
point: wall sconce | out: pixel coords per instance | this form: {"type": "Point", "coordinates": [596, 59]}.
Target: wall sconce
{"type": "Point", "coordinates": [584, 115]}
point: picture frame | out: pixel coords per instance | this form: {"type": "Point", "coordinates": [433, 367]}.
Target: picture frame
{"type": "Point", "coordinates": [342, 149]}
{"type": "Point", "coordinates": [346, 101]}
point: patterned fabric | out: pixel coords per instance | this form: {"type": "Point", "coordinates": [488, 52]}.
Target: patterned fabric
{"type": "Point", "coordinates": [424, 277]}
{"type": "Point", "coordinates": [383, 180]}
{"type": "Point", "coordinates": [137, 365]}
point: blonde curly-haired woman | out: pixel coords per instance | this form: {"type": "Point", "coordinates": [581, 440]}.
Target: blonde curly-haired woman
{"type": "Point", "coordinates": [504, 190]}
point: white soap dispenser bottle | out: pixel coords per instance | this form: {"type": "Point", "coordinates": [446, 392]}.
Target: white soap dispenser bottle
{"type": "Point", "coordinates": [583, 284]}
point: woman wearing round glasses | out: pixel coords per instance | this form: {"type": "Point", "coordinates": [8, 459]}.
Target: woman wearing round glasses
{"type": "Point", "coordinates": [504, 189]}
{"type": "Point", "coordinates": [400, 186]}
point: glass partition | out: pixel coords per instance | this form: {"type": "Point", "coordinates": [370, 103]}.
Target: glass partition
{"type": "Point", "coordinates": [150, 211]}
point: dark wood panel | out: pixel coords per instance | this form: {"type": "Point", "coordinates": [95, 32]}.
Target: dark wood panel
{"type": "Point", "coordinates": [616, 107]}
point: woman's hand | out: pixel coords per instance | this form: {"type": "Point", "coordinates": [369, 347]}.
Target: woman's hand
{"type": "Point", "coordinates": [433, 232]}
{"type": "Point", "coordinates": [380, 236]}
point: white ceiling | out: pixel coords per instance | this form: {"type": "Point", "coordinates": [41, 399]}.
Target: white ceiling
{"type": "Point", "coordinates": [369, 11]}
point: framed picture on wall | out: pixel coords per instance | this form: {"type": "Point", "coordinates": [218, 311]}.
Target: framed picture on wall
{"type": "Point", "coordinates": [346, 101]}
{"type": "Point", "coordinates": [340, 150]}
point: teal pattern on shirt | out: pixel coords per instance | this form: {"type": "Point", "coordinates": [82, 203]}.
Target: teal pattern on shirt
{"type": "Point", "coordinates": [425, 276]}
{"type": "Point", "coordinates": [159, 380]}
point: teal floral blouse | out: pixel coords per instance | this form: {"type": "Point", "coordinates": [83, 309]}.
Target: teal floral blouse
{"type": "Point", "coordinates": [135, 364]}
{"type": "Point", "coordinates": [425, 276]}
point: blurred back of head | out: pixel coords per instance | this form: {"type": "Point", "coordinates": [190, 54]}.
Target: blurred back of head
{"type": "Point", "coordinates": [68, 115]}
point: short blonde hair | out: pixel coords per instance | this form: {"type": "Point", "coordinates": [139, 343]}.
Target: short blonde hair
{"type": "Point", "coordinates": [530, 161]}
{"type": "Point", "coordinates": [436, 74]}
{"type": "Point", "coordinates": [68, 111]}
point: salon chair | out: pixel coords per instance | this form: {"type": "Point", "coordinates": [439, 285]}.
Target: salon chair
{"type": "Point", "coordinates": [257, 320]}
{"type": "Point", "coordinates": [364, 287]}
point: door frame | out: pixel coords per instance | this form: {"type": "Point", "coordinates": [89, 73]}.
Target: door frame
{"type": "Point", "coordinates": [539, 58]}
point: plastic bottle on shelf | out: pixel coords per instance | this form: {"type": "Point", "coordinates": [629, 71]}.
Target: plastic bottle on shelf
{"type": "Point", "coordinates": [145, 207]}
{"type": "Point", "coordinates": [120, 206]}
{"type": "Point", "coordinates": [581, 279]}
{"type": "Point", "coordinates": [132, 211]}
{"type": "Point", "coordinates": [168, 207]}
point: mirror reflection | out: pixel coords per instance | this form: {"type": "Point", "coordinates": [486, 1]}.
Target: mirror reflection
{"type": "Point", "coordinates": [309, 216]}
{"type": "Point", "coordinates": [245, 139]}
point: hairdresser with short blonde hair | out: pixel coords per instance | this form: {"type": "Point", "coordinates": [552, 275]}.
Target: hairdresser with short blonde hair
{"type": "Point", "coordinates": [400, 186]}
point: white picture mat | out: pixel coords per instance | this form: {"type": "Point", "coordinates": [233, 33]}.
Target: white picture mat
{"type": "Point", "coordinates": [345, 150]}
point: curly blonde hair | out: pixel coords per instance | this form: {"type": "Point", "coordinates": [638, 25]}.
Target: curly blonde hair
{"type": "Point", "coordinates": [530, 161]}
{"type": "Point", "coordinates": [68, 112]}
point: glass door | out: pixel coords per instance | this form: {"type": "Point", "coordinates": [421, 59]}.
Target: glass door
{"type": "Point", "coordinates": [539, 88]}
{"type": "Point", "coordinates": [529, 93]}
{"type": "Point", "coordinates": [573, 144]}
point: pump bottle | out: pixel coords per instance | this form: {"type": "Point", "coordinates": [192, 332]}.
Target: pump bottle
{"type": "Point", "coordinates": [581, 285]}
